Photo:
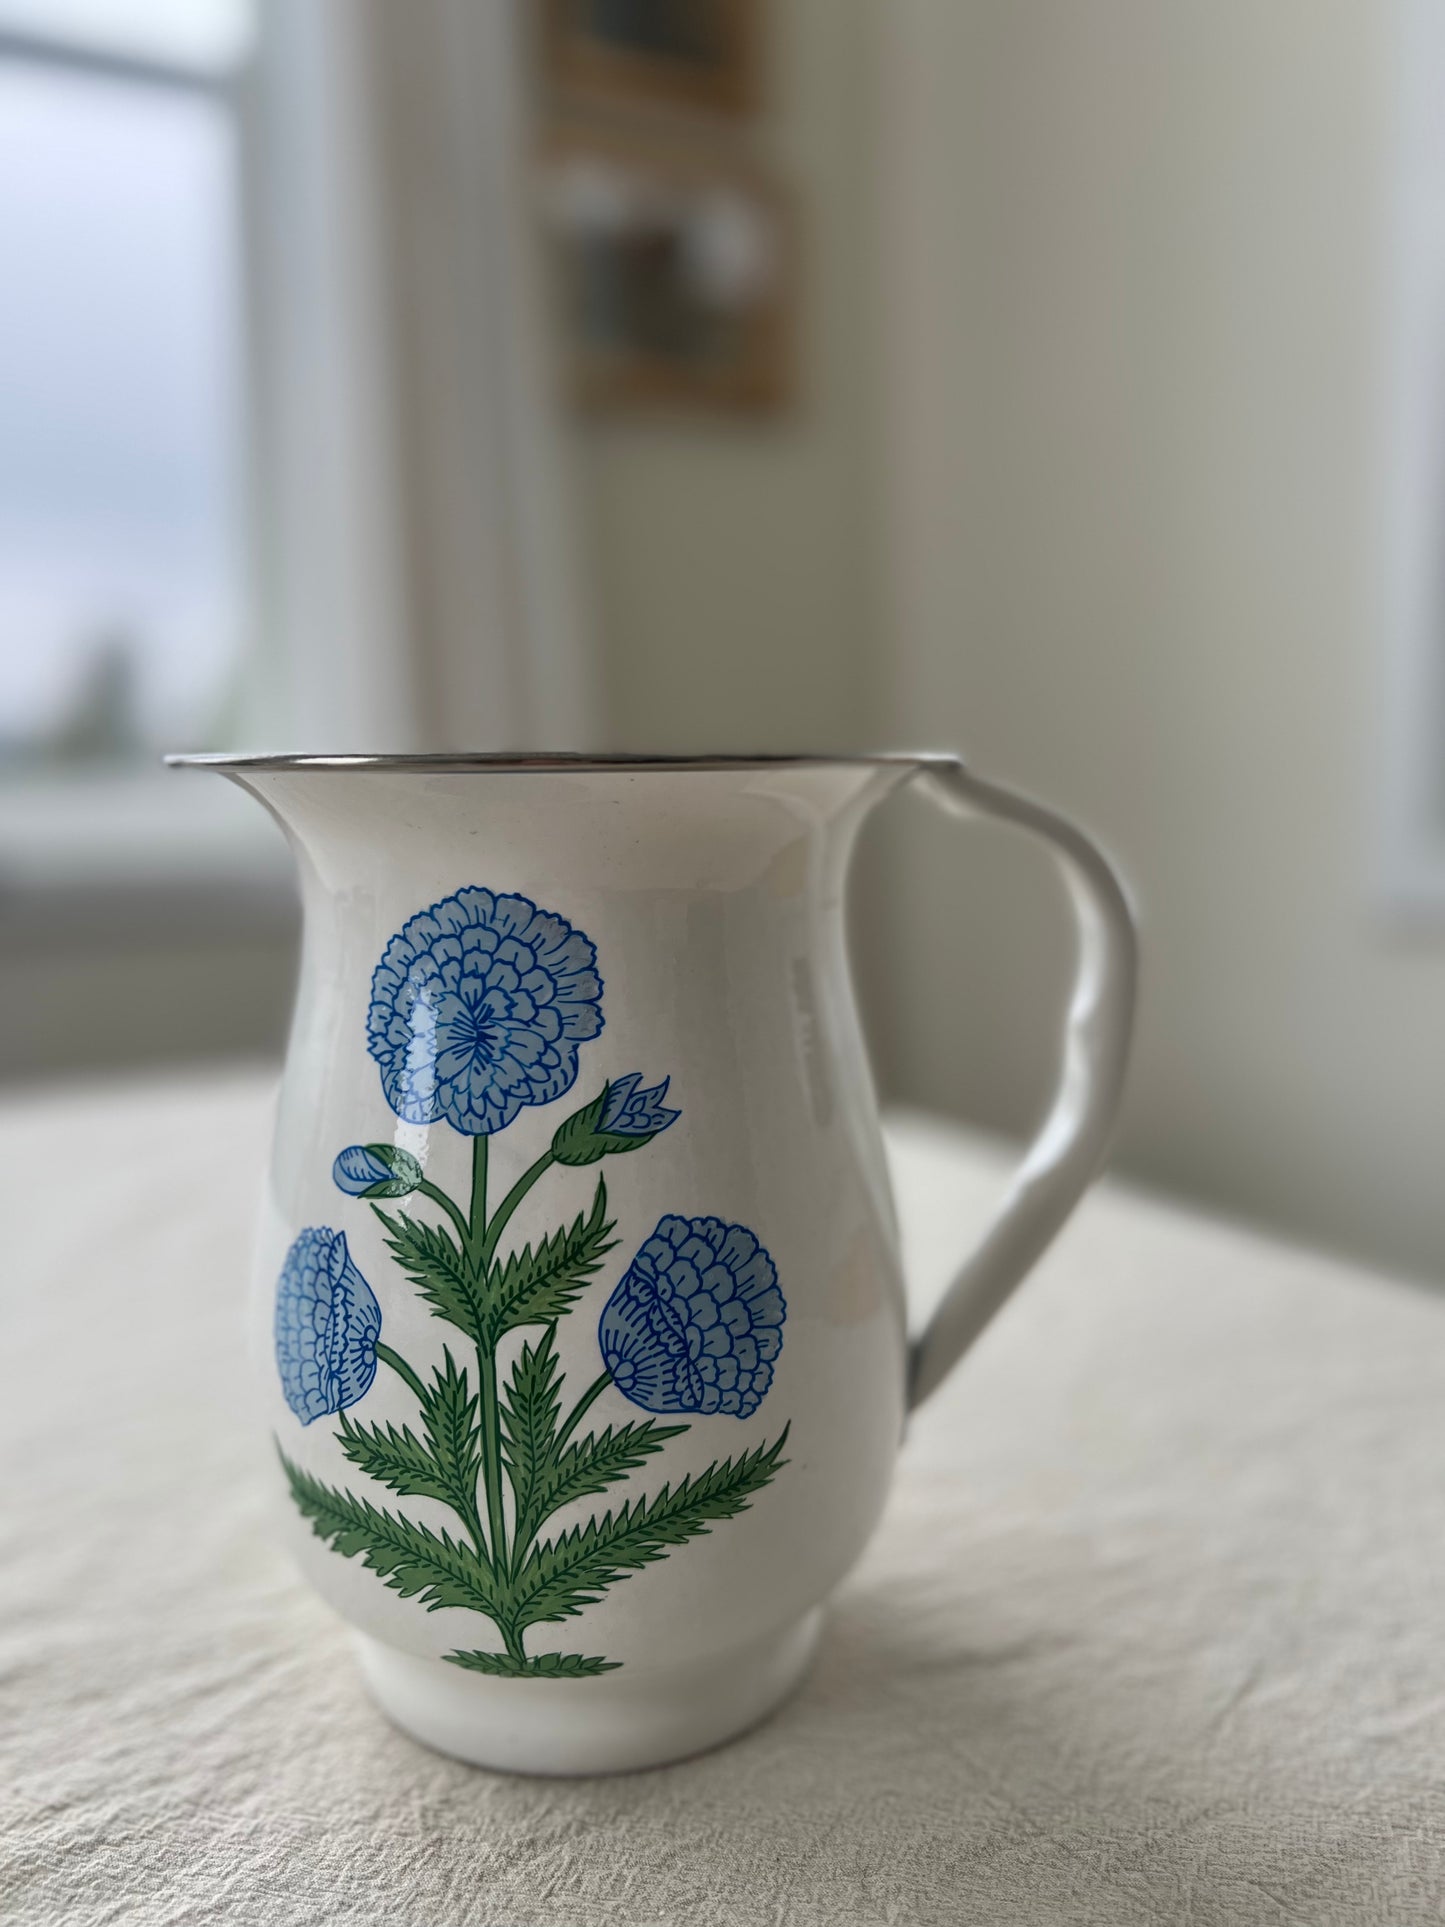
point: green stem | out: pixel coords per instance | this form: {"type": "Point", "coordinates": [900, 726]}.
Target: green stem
{"type": "Point", "coordinates": [492, 1460]}
{"type": "Point", "coordinates": [438, 1196]}
{"type": "Point", "coordinates": [477, 1228]}
{"type": "Point", "coordinates": [509, 1204]}
{"type": "Point", "coordinates": [569, 1424]}
{"type": "Point", "coordinates": [399, 1365]}
{"type": "Point", "coordinates": [491, 1416]}
{"type": "Point", "coordinates": [472, 1520]}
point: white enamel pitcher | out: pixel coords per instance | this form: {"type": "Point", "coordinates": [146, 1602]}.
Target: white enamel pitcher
{"type": "Point", "coordinates": [578, 1294]}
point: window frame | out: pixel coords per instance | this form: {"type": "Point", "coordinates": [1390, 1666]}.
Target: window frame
{"type": "Point", "coordinates": [1410, 580]}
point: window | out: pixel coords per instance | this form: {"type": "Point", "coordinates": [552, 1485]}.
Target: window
{"type": "Point", "coordinates": [122, 585]}
{"type": "Point", "coordinates": [125, 585]}
{"type": "Point", "coordinates": [344, 359]}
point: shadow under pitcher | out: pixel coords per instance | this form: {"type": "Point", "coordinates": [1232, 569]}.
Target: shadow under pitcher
{"type": "Point", "coordinates": [578, 1299]}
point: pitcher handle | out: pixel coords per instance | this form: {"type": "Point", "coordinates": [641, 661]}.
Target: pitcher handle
{"type": "Point", "coordinates": [1069, 1149]}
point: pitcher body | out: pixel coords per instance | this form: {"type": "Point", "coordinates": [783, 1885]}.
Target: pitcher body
{"type": "Point", "coordinates": [578, 1314]}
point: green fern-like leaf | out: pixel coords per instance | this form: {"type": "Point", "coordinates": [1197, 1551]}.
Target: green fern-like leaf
{"type": "Point", "coordinates": [396, 1459]}
{"type": "Point", "coordinates": [413, 1560]}
{"type": "Point", "coordinates": [432, 1259]}
{"type": "Point", "coordinates": [544, 1478]}
{"type": "Point", "coordinates": [589, 1467]}
{"type": "Point", "coordinates": [562, 1576]}
{"type": "Point", "coordinates": [453, 1434]}
{"type": "Point", "coordinates": [542, 1666]}
{"type": "Point", "coordinates": [533, 1288]}
{"type": "Point", "coordinates": [444, 1465]}
{"type": "Point", "coordinates": [529, 1408]}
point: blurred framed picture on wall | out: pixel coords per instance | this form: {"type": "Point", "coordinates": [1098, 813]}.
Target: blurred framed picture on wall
{"type": "Point", "coordinates": [675, 276]}
{"type": "Point", "coordinates": [680, 53]}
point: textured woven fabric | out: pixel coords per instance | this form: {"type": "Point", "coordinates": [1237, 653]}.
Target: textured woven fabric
{"type": "Point", "coordinates": [1154, 1630]}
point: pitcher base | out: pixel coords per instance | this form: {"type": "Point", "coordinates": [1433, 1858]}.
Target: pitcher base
{"type": "Point", "coordinates": [615, 1723]}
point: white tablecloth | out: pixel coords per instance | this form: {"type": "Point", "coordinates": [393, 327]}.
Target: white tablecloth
{"type": "Point", "coordinates": [1154, 1630]}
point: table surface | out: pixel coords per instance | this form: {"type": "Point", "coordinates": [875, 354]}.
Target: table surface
{"type": "Point", "coordinates": [1152, 1630]}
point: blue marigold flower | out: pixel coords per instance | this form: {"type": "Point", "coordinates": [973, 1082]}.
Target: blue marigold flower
{"type": "Point", "coordinates": [620, 1118]}
{"type": "Point", "coordinates": [327, 1326]}
{"type": "Point", "coordinates": [477, 1008]}
{"type": "Point", "coordinates": [376, 1171]}
{"type": "Point", "coordinates": [697, 1320]}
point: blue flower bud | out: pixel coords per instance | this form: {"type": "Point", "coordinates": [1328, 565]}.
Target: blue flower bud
{"type": "Point", "coordinates": [630, 1112]}
{"type": "Point", "coordinates": [622, 1118]}
{"type": "Point", "coordinates": [376, 1171]}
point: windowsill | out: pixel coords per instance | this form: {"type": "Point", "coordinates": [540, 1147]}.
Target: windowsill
{"type": "Point", "coordinates": [134, 854]}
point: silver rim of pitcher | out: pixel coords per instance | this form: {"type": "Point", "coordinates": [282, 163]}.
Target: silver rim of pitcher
{"type": "Point", "coordinates": [554, 761]}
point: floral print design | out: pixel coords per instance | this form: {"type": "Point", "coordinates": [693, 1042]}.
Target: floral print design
{"type": "Point", "coordinates": [479, 1007]}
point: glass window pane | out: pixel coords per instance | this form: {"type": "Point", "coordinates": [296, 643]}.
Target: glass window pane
{"type": "Point", "coordinates": [120, 563]}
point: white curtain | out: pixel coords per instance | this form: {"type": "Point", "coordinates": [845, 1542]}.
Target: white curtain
{"type": "Point", "coordinates": [420, 584]}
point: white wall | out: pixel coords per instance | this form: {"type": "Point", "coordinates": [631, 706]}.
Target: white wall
{"type": "Point", "coordinates": [734, 562]}
{"type": "Point", "coordinates": [1134, 256]}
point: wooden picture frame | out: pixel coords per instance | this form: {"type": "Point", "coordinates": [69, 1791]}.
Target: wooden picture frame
{"type": "Point", "coordinates": [676, 273]}
{"type": "Point", "coordinates": [687, 54]}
